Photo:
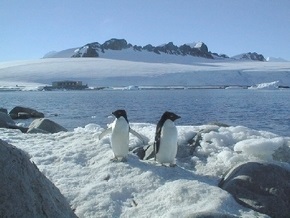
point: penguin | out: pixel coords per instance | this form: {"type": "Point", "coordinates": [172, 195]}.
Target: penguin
{"type": "Point", "coordinates": [120, 130]}
{"type": "Point", "coordinates": [165, 143]}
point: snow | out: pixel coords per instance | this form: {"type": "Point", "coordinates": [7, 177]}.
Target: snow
{"type": "Point", "coordinates": [78, 163]}
{"type": "Point", "coordinates": [115, 69]}
{"type": "Point", "coordinates": [264, 148]}
{"type": "Point", "coordinates": [268, 86]}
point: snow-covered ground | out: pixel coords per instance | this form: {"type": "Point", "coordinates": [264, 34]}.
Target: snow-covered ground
{"type": "Point", "coordinates": [115, 72]}
{"type": "Point", "coordinates": [79, 165]}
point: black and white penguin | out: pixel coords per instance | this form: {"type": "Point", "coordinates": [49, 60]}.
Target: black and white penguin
{"type": "Point", "coordinates": [120, 130]}
{"type": "Point", "coordinates": [165, 144]}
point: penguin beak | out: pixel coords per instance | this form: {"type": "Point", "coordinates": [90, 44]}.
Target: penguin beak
{"type": "Point", "coordinates": [175, 117]}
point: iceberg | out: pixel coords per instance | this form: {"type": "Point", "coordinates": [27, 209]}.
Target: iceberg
{"type": "Point", "coordinates": [268, 86]}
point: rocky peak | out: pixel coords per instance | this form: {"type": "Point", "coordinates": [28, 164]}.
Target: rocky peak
{"type": "Point", "coordinates": [250, 56]}
{"type": "Point", "coordinates": [115, 44]}
{"type": "Point", "coordinates": [198, 49]}
{"type": "Point", "coordinates": [201, 46]}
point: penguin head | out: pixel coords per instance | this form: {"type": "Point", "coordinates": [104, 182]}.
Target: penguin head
{"type": "Point", "coordinates": [120, 113]}
{"type": "Point", "coordinates": [169, 115]}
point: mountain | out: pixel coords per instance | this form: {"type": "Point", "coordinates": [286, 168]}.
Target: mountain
{"type": "Point", "coordinates": [111, 49]}
{"type": "Point", "coordinates": [273, 59]}
{"type": "Point", "coordinates": [250, 56]}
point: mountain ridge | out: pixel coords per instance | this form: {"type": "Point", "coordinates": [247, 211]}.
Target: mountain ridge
{"type": "Point", "coordinates": [196, 49]}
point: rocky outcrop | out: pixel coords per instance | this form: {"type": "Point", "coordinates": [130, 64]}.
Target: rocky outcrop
{"type": "Point", "coordinates": [88, 50]}
{"type": "Point", "coordinates": [7, 122]}
{"type": "Point", "coordinates": [198, 49]}
{"type": "Point", "coordinates": [44, 125]}
{"type": "Point", "coordinates": [3, 110]}
{"type": "Point", "coordinates": [25, 191]}
{"type": "Point", "coordinates": [41, 125]}
{"type": "Point", "coordinates": [93, 49]}
{"type": "Point", "coordinates": [263, 187]}
{"type": "Point", "coordinates": [208, 214]}
{"type": "Point", "coordinates": [250, 56]}
{"type": "Point", "coordinates": [5, 118]}
{"type": "Point", "coordinates": [115, 44]}
{"type": "Point", "coordinates": [24, 113]}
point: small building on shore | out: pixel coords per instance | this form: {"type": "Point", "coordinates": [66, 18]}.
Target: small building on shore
{"type": "Point", "coordinates": [66, 85]}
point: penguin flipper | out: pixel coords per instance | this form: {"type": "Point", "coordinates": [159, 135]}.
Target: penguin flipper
{"type": "Point", "coordinates": [137, 135]}
{"type": "Point", "coordinates": [105, 132]}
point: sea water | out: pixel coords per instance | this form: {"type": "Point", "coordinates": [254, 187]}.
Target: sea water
{"type": "Point", "coordinates": [257, 109]}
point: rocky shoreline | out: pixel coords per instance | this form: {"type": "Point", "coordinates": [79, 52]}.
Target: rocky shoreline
{"type": "Point", "coordinates": [38, 125]}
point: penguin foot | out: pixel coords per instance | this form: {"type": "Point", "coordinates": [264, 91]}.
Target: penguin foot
{"type": "Point", "coordinates": [116, 159]}
{"type": "Point", "coordinates": [169, 165]}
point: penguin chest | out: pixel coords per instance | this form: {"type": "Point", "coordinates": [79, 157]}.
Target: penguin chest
{"type": "Point", "coordinates": [168, 143]}
{"type": "Point", "coordinates": [120, 137]}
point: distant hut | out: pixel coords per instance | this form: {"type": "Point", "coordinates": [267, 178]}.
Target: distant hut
{"type": "Point", "coordinates": [67, 85]}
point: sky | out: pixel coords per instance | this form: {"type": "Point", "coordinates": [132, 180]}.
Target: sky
{"type": "Point", "coordinates": [32, 28]}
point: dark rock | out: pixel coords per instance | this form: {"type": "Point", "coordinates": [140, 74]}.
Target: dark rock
{"type": "Point", "coordinates": [210, 215]}
{"type": "Point", "coordinates": [7, 122]}
{"type": "Point", "coordinates": [194, 143]}
{"type": "Point", "coordinates": [148, 47]}
{"type": "Point", "coordinates": [223, 56]}
{"type": "Point", "coordinates": [202, 47]}
{"type": "Point", "coordinates": [185, 49]}
{"type": "Point", "coordinates": [88, 50]}
{"type": "Point", "coordinates": [200, 51]}
{"type": "Point", "coordinates": [3, 110]}
{"type": "Point", "coordinates": [92, 49]}
{"type": "Point", "coordinates": [5, 118]}
{"type": "Point", "coordinates": [253, 56]}
{"type": "Point", "coordinates": [156, 50]}
{"type": "Point", "coordinates": [25, 113]}
{"type": "Point", "coordinates": [263, 187]}
{"type": "Point", "coordinates": [91, 53]}
{"type": "Point", "coordinates": [3, 124]}
{"type": "Point", "coordinates": [22, 129]}
{"type": "Point", "coordinates": [169, 48]}
{"type": "Point", "coordinates": [44, 125]}
{"type": "Point", "coordinates": [25, 191]}
{"type": "Point", "coordinates": [137, 48]}
{"type": "Point", "coordinates": [115, 44]}
{"type": "Point", "coordinates": [145, 153]}
{"type": "Point", "coordinates": [140, 152]}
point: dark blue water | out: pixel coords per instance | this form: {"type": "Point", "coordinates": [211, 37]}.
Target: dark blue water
{"type": "Point", "coordinates": [257, 109]}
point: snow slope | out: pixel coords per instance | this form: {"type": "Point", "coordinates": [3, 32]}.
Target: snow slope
{"type": "Point", "coordinates": [114, 72]}
{"type": "Point", "coordinates": [79, 165]}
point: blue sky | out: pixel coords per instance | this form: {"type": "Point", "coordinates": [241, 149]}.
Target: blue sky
{"type": "Point", "coordinates": [31, 28]}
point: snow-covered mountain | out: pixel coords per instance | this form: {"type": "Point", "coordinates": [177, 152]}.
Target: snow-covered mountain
{"type": "Point", "coordinates": [118, 63]}
{"type": "Point", "coordinates": [112, 48]}
{"type": "Point", "coordinates": [272, 59]}
{"type": "Point", "coordinates": [250, 56]}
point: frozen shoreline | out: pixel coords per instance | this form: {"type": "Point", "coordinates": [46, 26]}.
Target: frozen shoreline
{"type": "Point", "coordinates": [79, 165]}
{"type": "Point", "coordinates": [102, 72]}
